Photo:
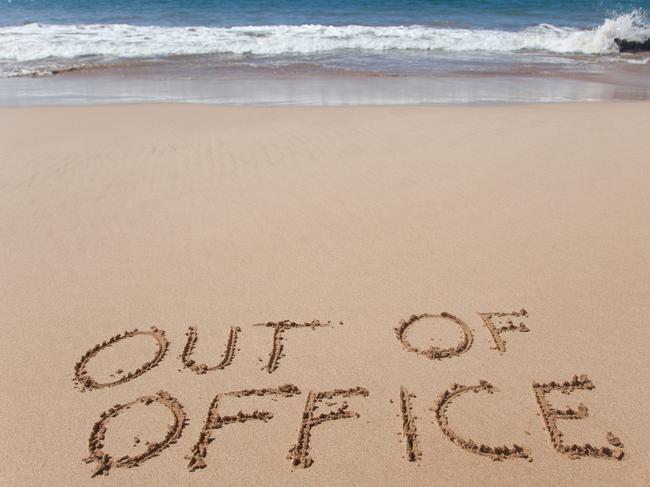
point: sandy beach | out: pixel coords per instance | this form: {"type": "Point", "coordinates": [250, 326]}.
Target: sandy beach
{"type": "Point", "coordinates": [325, 296]}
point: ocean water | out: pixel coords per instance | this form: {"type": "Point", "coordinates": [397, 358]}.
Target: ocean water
{"type": "Point", "coordinates": [204, 40]}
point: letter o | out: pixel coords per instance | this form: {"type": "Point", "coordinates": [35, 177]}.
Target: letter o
{"type": "Point", "coordinates": [86, 382]}
{"type": "Point", "coordinates": [105, 461]}
{"type": "Point", "coordinates": [435, 352]}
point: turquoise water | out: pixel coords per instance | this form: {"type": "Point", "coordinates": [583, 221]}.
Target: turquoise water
{"type": "Point", "coordinates": [511, 14]}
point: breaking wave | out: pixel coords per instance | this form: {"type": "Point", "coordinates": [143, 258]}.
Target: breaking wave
{"type": "Point", "coordinates": [25, 45]}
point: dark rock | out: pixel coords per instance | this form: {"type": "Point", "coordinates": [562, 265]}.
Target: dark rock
{"type": "Point", "coordinates": [632, 46]}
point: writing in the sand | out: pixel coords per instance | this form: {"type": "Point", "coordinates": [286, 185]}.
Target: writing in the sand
{"type": "Point", "coordinates": [334, 402]}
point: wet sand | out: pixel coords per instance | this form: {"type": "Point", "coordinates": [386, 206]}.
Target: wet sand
{"type": "Point", "coordinates": [199, 80]}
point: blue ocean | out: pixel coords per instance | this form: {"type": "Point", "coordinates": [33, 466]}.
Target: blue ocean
{"type": "Point", "coordinates": [244, 39]}
{"type": "Point", "coordinates": [489, 14]}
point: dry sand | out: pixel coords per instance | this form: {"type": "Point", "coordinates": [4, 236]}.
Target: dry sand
{"type": "Point", "coordinates": [531, 221]}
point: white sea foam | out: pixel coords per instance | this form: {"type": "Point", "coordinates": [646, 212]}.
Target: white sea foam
{"type": "Point", "coordinates": [645, 60]}
{"type": "Point", "coordinates": [39, 43]}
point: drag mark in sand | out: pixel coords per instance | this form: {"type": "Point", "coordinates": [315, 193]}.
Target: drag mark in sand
{"type": "Point", "coordinates": [409, 430]}
{"type": "Point", "coordinates": [435, 352]}
{"type": "Point", "coordinates": [190, 345]}
{"type": "Point", "coordinates": [215, 420]}
{"type": "Point", "coordinates": [495, 453]}
{"type": "Point", "coordinates": [490, 320]}
{"type": "Point", "coordinates": [87, 383]}
{"type": "Point", "coordinates": [105, 461]}
{"type": "Point", "coordinates": [299, 453]}
{"type": "Point", "coordinates": [551, 415]}
{"type": "Point", "coordinates": [279, 328]}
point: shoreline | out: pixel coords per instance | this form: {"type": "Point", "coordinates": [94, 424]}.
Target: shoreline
{"type": "Point", "coordinates": [75, 89]}
{"type": "Point", "coordinates": [235, 107]}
